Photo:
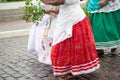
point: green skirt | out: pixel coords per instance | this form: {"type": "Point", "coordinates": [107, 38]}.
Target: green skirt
{"type": "Point", "coordinates": [106, 29]}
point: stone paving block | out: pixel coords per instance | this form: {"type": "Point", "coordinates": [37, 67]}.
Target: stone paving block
{"type": "Point", "coordinates": [1, 65]}
{"type": "Point", "coordinates": [25, 62]}
{"type": "Point", "coordinates": [41, 75]}
{"type": "Point", "coordinates": [23, 72]}
{"type": "Point", "coordinates": [13, 66]}
{"type": "Point", "coordinates": [17, 75]}
{"type": "Point", "coordinates": [5, 75]}
{"type": "Point", "coordinates": [25, 77]}
{"type": "Point", "coordinates": [45, 72]}
{"type": "Point", "coordinates": [23, 65]}
{"type": "Point", "coordinates": [11, 72]}
{"type": "Point", "coordinates": [2, 78]}
{"type": "Point", "coordinates": [1, 72]}
{"type": "Point", "coordinates": [49, 78]}
{"type": "Point", "coordinates": [29, 75]}
{"type": "Point", "coordinates": [21, 79]}
{"type": "Point", "coordinates": [35, 78]}
{"type": "Point", "coordinates": [10, 78]}
{"type": "Point", "coordinates": [18, 69]}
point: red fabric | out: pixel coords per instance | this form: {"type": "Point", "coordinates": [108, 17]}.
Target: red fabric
{"type": "Point", "coordinates": [77, 53]}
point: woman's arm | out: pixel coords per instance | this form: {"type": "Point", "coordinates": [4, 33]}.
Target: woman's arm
{"type": "Point", "coordinates": [53, 2]}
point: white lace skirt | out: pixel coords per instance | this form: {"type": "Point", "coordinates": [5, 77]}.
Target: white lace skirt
{"type": "Point", "coordinates": [38, 44]}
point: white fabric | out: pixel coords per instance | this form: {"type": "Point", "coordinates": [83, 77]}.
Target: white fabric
{"type": "Point", "coordinates": [45, 55]}
{"type": "Point", "coordinates": [113, 5]}
{"type": "Point", "coordinates": [70, 13]}
{"type": "Point", "coordinates": [36, 42]}
{"type": "Point", "coordinates": [36, 35]}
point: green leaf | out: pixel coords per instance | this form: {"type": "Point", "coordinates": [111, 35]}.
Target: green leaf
{"type": "Point", "coordinates": [33, 13]}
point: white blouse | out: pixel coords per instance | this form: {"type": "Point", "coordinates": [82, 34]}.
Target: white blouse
{"type": "Point", "coordinates": [70, 13]}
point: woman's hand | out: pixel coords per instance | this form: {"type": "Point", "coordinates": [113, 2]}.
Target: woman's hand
{"type": "Point", "coordinates": [48, 11]}
{"type": "Point", "coordinates": [56, 11]}
{"type": "Point", "coordinates": [51, 12]}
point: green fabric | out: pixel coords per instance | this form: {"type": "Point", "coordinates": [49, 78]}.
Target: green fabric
{"type": "Point", "coordinates": [106, 28]}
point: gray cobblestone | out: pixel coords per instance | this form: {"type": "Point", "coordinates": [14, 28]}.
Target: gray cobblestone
{"type": "Point", "coordinates": [35, 78]}
{"type": "Point", "coordinates": [5, 75]}
{"type": "Point", "coordinates": [49, 78]}
{"type": "Point", "coordinates": [11, 72]}
{"type": "Point", "coordinates": [1, 72]}
{"type": "Point", "coordinates": [41, 74]}
{"type": "Point", "coordinates": [25, 77]}
{"type": "Point", "coordinates": [29, 75]}
{"type": "Point", "coordinates": [18, 69]}
{"type": "Point", "coordinates": [1, 78]}
{"type": "Point", "coordinates": [21, 79]}
{"type": "Point", "coordinates": [10, 78]}
{"type": "Point", "coordinates": [23, 72]}
{"type": "Point", "coordinates": [1, 65]}
{"type": "Point", "coordinates": [7, 69]}
{"type": "Point", "coordinates": [17, 64]}
{"type": "Point", "coordinates": [17, 75]}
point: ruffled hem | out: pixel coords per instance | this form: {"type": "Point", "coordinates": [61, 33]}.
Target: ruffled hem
{"type": "Point", "coordinates": [106, 45]}
{"type": "Point", "coordinates": [84, 71]}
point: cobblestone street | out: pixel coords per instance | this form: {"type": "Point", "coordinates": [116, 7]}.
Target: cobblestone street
{"type": "Point", "coordinates": [17, 64]}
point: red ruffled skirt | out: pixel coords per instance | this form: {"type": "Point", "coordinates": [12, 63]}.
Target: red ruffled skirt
{"type": "Point", "coordinates": [77, 54]}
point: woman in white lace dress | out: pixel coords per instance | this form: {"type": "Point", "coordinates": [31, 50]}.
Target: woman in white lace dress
{"type": "Point", "coordinates": [40, 37]}
{"type": "Point", "coordinates": [73, 47]}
